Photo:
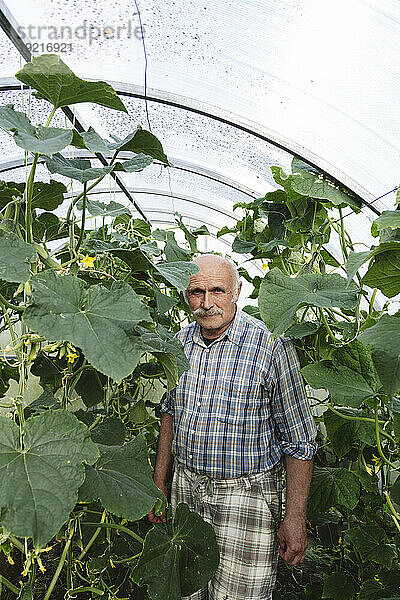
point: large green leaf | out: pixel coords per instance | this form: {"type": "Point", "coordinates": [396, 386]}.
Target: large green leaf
{"type": "Point", "coordinates": [76, 168]}
{"type": "Point", "coordinates": [348, 385]}
{"type": "Point", "coordinates": [164, 342]}
{"type": "Point", "coordinates": [137, 163]}
{"type": "Point", "coordinates": [15, 256]}
{"type": "Point", "coordinates": [176, 561]}
{"type": "Point", "coordinates": [395, 491]}
{"type": "Point", "coordinates": [331, 486]}
{"type": "Point", "coordinates": [280, 296]}
{"type": "Point", "coordinates": [59, 85]}
{"type": "Point", "coordinates": [13, 120]}
{"type": "Point", "coordinates": [343, 433]}
{"type": "Point", "coordinates": [384, 339]}
{"type": "Point", "coordinates": [389, 219]}
{"type": "Point", "coordinates": [372, 590]}
{"type": "Point", "coordinates": [95, 143]}
{"type": "Point", "coordinates": [356, 259]}
{"type": "Point", "coordinates": [45, 195]}
{"type": "Point", "coordinates": [170, 368]}
{"type": "Point", "coordinates": [339, 586]}
{"type": "Point", "coordinates": [396, 419]}
{"type": "Point", "coordinates": [44, 140]}
{"type": "Point", "coordinates": [98, 320]}
{"type": "Point", "coordinates": [384, 273]}
{"type": "Point", "coordinates": [173, 252]}
{"type": "Point", "coordinates": [177, 273]}
{"type": "Point", "coordinates": [48, 196]}
{"type": "Point", "coordinates": [371, 543]}
{"type": "Point", "coordinates": [308, 181]}
{"type": "Point", "coordinates": [141, 141]}
{"type": "Point", "coordinates": [100, 209]}
{"type": "Point", "coordinates": [39, 483]}
{"type": "Point", "coordinates": [164, 302]}
{"type": "Point", "coordinates": [122, 479]}
{"type": "Point", "coordinates": [111, 431]}
{"type": "Point", "coordinates": [90, 387]}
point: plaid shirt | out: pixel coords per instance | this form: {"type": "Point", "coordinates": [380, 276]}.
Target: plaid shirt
{"type": "Point", "coordinates": [242, 404]}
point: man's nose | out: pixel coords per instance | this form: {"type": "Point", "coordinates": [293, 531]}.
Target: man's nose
{"type": "Point", "coordinates": [207, 300]}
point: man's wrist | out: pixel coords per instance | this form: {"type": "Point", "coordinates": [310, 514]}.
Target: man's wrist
{"type": "Point", "coordinates": [160, 481]}
{"type": "Point", "coordinates": [295, 516]}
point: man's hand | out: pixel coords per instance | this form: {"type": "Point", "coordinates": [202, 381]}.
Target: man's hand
{"type": "Point", "coordinates": [293, 542]}
{"type": "Point", "coordinates": [153, 518]}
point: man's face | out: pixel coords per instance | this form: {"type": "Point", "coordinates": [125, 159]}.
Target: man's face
{"type": "Point", "coordinates": [210, 294]}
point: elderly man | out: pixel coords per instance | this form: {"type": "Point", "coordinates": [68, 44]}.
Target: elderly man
{"type": "Point", "coordinates": [228, 424]}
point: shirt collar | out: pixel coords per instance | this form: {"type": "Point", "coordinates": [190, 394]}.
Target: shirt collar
{"type": "Point", "coordinates": [233, 333]}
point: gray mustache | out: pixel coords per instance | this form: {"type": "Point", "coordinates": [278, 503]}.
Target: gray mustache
{"type": "Point", "coordinates": [202, 312]}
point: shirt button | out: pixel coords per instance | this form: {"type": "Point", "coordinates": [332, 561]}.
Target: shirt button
{"type": "Point", "coordinates": [192, 431]}
{"type": "Point", "coordinates": [199, 404]}
{"type": "Point", "coordinates": [190, 455]}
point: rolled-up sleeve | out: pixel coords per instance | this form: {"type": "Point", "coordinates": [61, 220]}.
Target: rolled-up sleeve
{"type": "Point", "coordinates": [290, 406]}
{"type": "Point", "coordinates": [167, 402]}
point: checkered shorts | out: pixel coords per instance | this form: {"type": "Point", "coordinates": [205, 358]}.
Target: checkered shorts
{"type": "Point", "coordinates": [245, 513]}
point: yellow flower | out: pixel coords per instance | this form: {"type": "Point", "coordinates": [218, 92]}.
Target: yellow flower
{"type": "Point", "coordinates": [339, 540]}
{"type": "Point", "coordinates": [378, 580]}
{"type": "Point", "coordinates": [265, 267]}
{"type": "Point", "coordinates": [88, 261]}
{"type": "Point", "coordinates": [368, 469]}
{"type": "Point", "coordinates": [42, 568]}
{"type": "Point", "coordinates": [10, 560]}
{"type": "Point", "coordinates": [24, 573]}
{"type": "Point", "coordinates": [71, 356]}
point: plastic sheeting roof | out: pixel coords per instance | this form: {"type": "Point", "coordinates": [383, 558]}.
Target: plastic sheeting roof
{"type": "Point", "coordinates": [233, 87]}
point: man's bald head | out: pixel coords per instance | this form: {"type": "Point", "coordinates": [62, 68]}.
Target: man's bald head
{"type": "Point", "coordinates": [212, 294]}
{"type": "Point", "coordinates": [219, 265]}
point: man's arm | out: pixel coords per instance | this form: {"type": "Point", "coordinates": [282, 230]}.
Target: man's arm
{"type": "Point", "coordinates": [163, 462]}
{"type": "Point", "coordinates": [292, 534]}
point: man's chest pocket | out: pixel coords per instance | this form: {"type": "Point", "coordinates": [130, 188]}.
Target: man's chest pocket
{"type": "Point", "coordinates": [241, 401]}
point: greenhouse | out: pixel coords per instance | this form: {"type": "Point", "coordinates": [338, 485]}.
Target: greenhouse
{"type": "Point", "coordinates": [199, 269]}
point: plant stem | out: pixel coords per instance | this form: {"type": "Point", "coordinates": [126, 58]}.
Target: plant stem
{"type": "Point", "coordinates": [86, 589]}
{"type": "Point", "coordinates": [10, 585]}
{"type": "Point", "coordinates": [372, 300]}
{"type": "Point", "coordinates": [5, 304]}
{"type": "Point", "coordinates": [16, 543]}
{"type": "Point", "coordinates": [82, 231]}
{"type": "Point", "coordinates": [325, 321]}
{"type": "Point", "coordinates": [61, 563]}
{"type": "Point", "coordinates": [118, 528]}
{"type": "Point", "coordinates": [79, 196]}
{"type": "Point", "coordinates": [28, 200]}
{"type": "Point", "coordinates": [342, 236]}
{"type": "Point", "coordinates": [378, 441]}
{"type": "Point", "coordinates": [395, 515]}
{"type": "Point", "coordinates": [93, 538]}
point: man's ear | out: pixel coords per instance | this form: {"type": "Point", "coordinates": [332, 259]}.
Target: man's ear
{"type": "Point", "coordinates": [239, 288]}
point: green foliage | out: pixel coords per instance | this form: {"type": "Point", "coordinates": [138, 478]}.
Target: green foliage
{"type": "Point", "coordinates": [331, 486]}
{"type": "Point", "coordinates": [178, 560]}
{"type": "Point", "coordinates": [95, 323]}
{"type": "Point", "coordinates": [122, 480]}
{"type": "Point", "coordinates": [55, 82]}
{"type": "Point", "coordinates": [348, 347]}
{"type": "Point", "coordinates": [100, 321]}
{"type": "Point", "coordinates": [15, 257]}
{"type": "Point", "coordinates": [39, 480]}
{"type": "Point", "coordinates": [280, 296]}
